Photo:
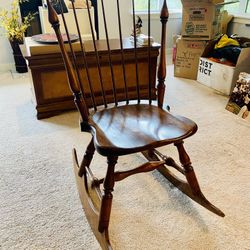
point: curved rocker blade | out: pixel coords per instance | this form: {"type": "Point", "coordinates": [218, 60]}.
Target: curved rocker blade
{"type": "Point", "coordinates": [90, 207]}
{"type": "Point", "coordinates": [184, 187]}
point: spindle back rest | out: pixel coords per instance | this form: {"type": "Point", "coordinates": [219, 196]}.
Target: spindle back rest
{"type": "Point", "coordinates": [81, 79]}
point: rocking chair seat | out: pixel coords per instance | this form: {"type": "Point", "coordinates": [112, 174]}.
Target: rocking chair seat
{"type": "Point", "coordinates": [135, 128]}
{"type": "Point", "coordinates": [123, 129]}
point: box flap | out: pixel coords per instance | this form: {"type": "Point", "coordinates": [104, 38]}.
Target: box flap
{"type": "Point", "coordinates": [209, 48]}
{"type": "Point", "coordinates": [202, 1]}
{"type": "Point", "coordinates": [210, 45]}
{"type": "Point", "coordinates": [214, 2]}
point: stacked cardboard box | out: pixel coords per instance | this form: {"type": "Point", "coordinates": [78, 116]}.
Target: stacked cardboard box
{"type": "Point", "coordinates": [201, 21]}
{"type": "Point", "coordinates": [222, 77]}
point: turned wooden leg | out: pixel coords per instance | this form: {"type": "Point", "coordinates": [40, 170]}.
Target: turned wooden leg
{"type": "Point", "coordinates": [106, 202]}
{"type": "Point", "coordinates": [87, 158]}
{"type": "Point", "coordinates": [189, 171]}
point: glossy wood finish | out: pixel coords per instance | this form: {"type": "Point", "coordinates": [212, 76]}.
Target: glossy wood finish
{"type": "Point", "coordinates": [106, 202]}
{"type": "Point", "coordinates": [135, 128]}
{"type": "Point", "coordinates": [48, 70]}
{"type": "Point", "coordinates": [190, 188]}
{"type": "Point", "coordinates": [90, 197]}
{"type": "Point", "coordinates": [162, 62]}
{"type": "Point", "coordinates": [121, 175]}
{"type": "Point", "coordinates": [126, 128]}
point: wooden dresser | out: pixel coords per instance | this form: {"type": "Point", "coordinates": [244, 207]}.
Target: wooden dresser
{"type": "Point", "coordinates": [50, 87]}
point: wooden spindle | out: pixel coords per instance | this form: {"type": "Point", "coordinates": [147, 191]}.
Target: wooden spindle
{"type": "Point", "coordinates": [122, 51]}
{"type": "Point", "coordinates": [162, 64]}
{"type": "Point", "coordinates": [109, 53]}
{"type": "Point", "coordinates": [135, 53]}
{"type": "Point", "coordinates": [72, 79]}
{"type": "Point", "coordinates": [71, 49]}
{"type": "Point", "coordinates": [96, 54]}
{"type": "Point", "coordinates": [84, 57]}
{"type": "Point", "coordinates": [149, 55]}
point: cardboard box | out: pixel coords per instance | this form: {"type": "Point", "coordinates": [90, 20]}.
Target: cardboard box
{"type": "Point", "coordinates": [187, 58]}
{"type": "Point", "coordinates": [215, 75]}
{"type": "Point", "coordinates": [201, 21]}
{"type": "Point", "coordinates": [219, 76]}
{"type": "Point", "coordinates": [194, 2]}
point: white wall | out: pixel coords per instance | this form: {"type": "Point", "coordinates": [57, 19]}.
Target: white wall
{"type": "Point", "coordinates": [111, 18]}
{"type": "Point", "coordinates": [6, 57]}
{"type": "Point", "coordinates": [173, 26]}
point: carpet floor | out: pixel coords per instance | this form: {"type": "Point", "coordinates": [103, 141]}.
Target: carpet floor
{"type": "Point", "coordinates": [39, 204]}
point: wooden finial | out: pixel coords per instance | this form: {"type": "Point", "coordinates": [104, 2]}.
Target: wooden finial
{"type": "Point", "coordinates": [164, 12]}
{"type": "Point", "coordinates": [53, 18]}
{"type": "Point", "coordinates": [72, 79]}
{"type": "Point", "coordinates": [162, 65]}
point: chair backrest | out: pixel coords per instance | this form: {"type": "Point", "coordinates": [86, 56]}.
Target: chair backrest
{"type": "Point", "coordinates": [108, 82]}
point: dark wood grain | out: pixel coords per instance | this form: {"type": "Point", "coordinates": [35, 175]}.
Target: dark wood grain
{"type": "Point", "coordinates": [122, 51]}
{"type": "Point", "coordinates": [188, 187]}
{"type": "Point", "coordinates": [72, 79]}
{"type": "Point", "coordinates": [48, 70]}
{"type": "Point", "coordinates": [125, 127]}
{"type": "Point", "coordinates": [134, 128]}
{"type": "Point", "coordinates": [107, 197]}
{"type": "Point", "coordinates": [121, 175]}
{"type": "Point", "coordinates": [162, 62]}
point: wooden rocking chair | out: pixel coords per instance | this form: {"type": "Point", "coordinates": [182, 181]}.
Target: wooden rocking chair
{"type": "Point", "coordinates": [123, 123]}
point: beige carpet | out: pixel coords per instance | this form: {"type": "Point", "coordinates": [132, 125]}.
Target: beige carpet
{"type": "Point", "coordinates": [39, 205]}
